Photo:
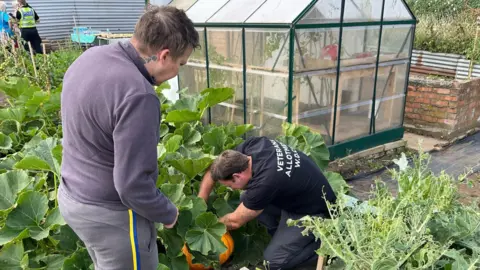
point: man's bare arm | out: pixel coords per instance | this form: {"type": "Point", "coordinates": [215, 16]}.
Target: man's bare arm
{"type": "Point", "coordinates": [206, 186]}
{"type": "Point", "coordinates": [241, 216]}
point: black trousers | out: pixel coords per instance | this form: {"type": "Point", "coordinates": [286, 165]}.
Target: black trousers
{"type": "Point", "coordinates": [31, 35]}
{"type": "Point", "coordinates": [288, 248]}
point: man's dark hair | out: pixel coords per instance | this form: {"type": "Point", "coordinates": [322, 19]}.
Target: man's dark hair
{"type": "Point", "coordinates": [228, 163]}
{"type": "Point", "coordinates": [165, 27]}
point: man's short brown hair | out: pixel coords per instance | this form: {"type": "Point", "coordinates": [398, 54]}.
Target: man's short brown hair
{"type": "Point", "coordinates": [165, 27]}
{"type": "Point", "coordinates": [228, 163]}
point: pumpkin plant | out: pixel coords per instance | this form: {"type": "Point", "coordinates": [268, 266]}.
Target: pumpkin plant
{"type": "Point", "coordinates": [227, 241]}
{"type": "Point", "coordinates": [186, 150]}
{"type": "Point", "coordinates": [30, 162]}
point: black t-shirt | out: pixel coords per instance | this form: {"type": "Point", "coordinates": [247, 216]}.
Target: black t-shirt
{"type": "Point", "coordinates": [285, 178]}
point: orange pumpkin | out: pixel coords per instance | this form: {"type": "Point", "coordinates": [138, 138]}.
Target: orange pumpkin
{"type": "Point", "coordinates": [226, 239]}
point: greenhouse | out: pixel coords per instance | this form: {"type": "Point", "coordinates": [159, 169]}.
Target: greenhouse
{"type": "Point", "coordinates": [339, 67]}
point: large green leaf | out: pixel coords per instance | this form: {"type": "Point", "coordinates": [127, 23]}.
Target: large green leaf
{"type": "Point", "coordinates": [9, 126]}
{"type": "Point", "coordinates": [189, 134]}
{"type": "Point", "coordinates": [250, 243]}
{"type": "Point", "coordinates": [186, 103]}
{"type": "Point", "coordinates": [227, 204]}
{"type": "Point", "coordinates": [339, 185]}
{"type": "Point", "coordinates": [17, 114]}
{"type": "Point", "coordinates": [80, 260]}
{"type": "Point", "coordinates": [176, 263]}
{"type": "Point", "coordinates": [11, 183]}
{"type": "Point", "coordinates": [29, 214]}
{"type": "Point", "coordinates": [172, 241]}
{"type": "Point", "coordinates": [36, 102]}
{"type": "Point", "coordinates": [215, 138]}
{"type": "Point", "coordinates": [67, 239]}
{"type": "Point", "coordinates": [206, 236]}
{"type": "Point", "coordinates": [44, 150]}
{"type": "Point", "coordinates": [12, 257]}
{"type": "Point", "coordinates": [17, 88]}
{"type": "Point", "coordinates": [173, 143]}
{"type": "Point", "coordinates": [191, 167]}
{"type": "Point", "coordinates": [213, 96]}
{"type": "Point", "coordinates": [199, 207]}
{"type": "Point", "coordinates": [242, 129]}
{"type": "Point", "coordinates": [32, 127]}
{"type": "Point", "coordinates": [54, 262]}
{"type": "Point", "coordinates": [294, 130]}
{"type": "Point", "coordinates": [175, 193]}
{"type": "Point", "coordinates": [33, 163]}
{"type": "Point", "coordinates": [180, 116]}
{"type": "Point", "coordinates": [163, 130]}
{"type": "Point", "coordinates": [183, 223]}
{"type": "Point", "coordinates": [317, 149]}
{"type": "Point", "coordinates": [290, 141]}
{"type": "Point", "coordinates": [5, 142]}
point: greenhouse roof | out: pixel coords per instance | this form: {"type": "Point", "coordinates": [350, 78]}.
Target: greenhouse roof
{"type": "Point", "coordinates": [302, 12]}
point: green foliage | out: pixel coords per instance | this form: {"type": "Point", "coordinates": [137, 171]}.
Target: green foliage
{"type": "Point", "coordinates": [446, 26]}
{"type": "Point", "coordinates": [437, 7]}
{"type": "Point", "coordinates": [423, 227]}
{"type": "Point", "coordinates": [33, 234]}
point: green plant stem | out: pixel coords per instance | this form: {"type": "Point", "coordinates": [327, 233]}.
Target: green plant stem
{"type": "Point", "coordinates": [56, 188]}
{"type": "Point", "coordinates": [404, 260]}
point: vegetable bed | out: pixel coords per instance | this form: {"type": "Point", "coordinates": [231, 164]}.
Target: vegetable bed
{"type": "Point", "coordinates": [424, 227]}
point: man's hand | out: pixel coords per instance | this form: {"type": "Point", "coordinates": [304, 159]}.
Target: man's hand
{"type": "Point", "coordinates": [241, 216]}
{"type": "Point", "coordinates": [174, 222]}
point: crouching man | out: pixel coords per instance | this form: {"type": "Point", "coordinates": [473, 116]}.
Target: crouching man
{"type": "Point", "coordinates": [279, 183]}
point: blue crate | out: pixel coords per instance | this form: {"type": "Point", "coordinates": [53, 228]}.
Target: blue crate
{"type": "Point", "coordinates": [83, 34]}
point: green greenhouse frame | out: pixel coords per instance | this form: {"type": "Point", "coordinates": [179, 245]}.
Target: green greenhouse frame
{"type": "Point", "coordinates": [339, 67]}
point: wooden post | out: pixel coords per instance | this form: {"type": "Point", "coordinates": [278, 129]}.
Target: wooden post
{"type": "Point", "coordinates": [320, 263]}
{"type": "Point", "coordinates": [33, 59]}
{"type": "Point", "coordinates": [14, 52]}
{"type": "Point", "coordinates": [296, 109]}
{"type": "Point", "coordinates": [44, 52]}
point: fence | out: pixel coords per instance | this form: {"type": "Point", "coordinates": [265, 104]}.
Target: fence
{"type": "Point", "coordinates": [450, 65]}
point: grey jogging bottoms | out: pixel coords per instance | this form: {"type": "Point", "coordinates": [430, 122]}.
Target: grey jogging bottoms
{"type": "Point", "coordinates": [114, 239]}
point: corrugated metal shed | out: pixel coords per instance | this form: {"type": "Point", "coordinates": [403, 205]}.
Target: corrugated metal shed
{"type": "Point", "coordinates": [57, 17]}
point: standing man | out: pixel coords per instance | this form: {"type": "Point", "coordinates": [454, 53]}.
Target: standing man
{"type": "Point", "coordinates": [111, 122]}
{"type": "Point", "coordinates": [279, 183]}
{"type": "Point", "coordinates": [27, 19]}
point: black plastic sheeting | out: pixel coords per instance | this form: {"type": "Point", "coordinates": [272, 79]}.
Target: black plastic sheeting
{"type": "Point", "coordinates": [460, 158]}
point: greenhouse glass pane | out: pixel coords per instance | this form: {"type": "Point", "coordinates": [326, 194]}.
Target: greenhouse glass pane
{"type": "Point", "coordinates": [390, 97]}
{"type": "Point", "coordinates": [236, 11]}
{"type": "Point", "coordinates": [267, 50]}
{"type": "Point", "coordinates": [267, 54]}
{"type": "Point", "coordinates": [362, 10]}
{"type": "Point", "coordinates": [329, 11]}
{"type": "Point", "coordinates": [313, 103]}
{"type": "Point", "coordinates": [396, 10]}
{"type": "Point", "coordinates": [316, 49]}
{"type": "Point", "coordinates": [193, 77]}
{"type": "Point", "coordinates": [182, 4]}
{"type": "Point", "coordinates": [225, 66]}
{"type": "Point", "coordinates": [198, 55]}
{"type": "Point", "coordinates": [356, 84]}
{"type": "Point", "coordinates": [279, 11]}
{"type": "Point", "coordinates": [267, 103]}
{"type": "Point", "coordinates": [225, 48]}
{"type": "Point", "coordinates": [396, 42]}
{"type": "Point", "coordinates": [324, 11]}
{"type": "Point", "coordinates": [204, 9]}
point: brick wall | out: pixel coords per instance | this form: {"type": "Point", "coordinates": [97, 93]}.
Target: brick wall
{"type": "Point", "coordinates": [441, 108]}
